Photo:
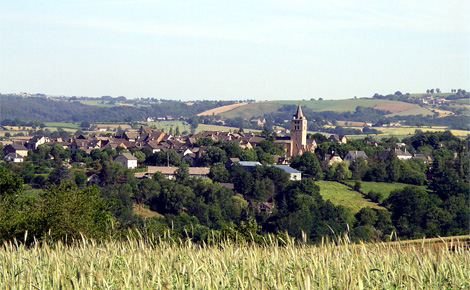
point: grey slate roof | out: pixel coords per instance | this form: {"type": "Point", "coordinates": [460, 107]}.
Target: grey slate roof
{"type": "Point", "coordinates": [357, 154]}
{"type": "Point", "coordinates": [128, 156]}
{"type": "Point", "coordinates": [17, 147]}
{"type": "Point", "coordinates": [287, 168]}
{"type": "Point", "coordinates": [248, 163]}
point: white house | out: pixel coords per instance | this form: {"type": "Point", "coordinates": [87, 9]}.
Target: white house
{"type": "Point", "coordinates": [294, 174]}
{"type": "Point", "coordinates": [169, 172]}
{"type": "Point", "coordinates": [13, 157]}
{"type": "Point", "coordinates": [127, 160]}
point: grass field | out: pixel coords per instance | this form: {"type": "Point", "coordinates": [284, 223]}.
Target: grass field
{"type": "Point", "coordinates": [166, 125]}
{"type": "Point", "coordinates": [384, 188]}
{"type": "Point", "coordinates": [137, 264]}
{"type": "Point", "coordinates": [259, 108]}
{"type": "Point", "coordinates": [251, 110]}
{"type": "Point", "coordinates": [62, 125]}
{"type": "Point", "coordinates": [340, 194]}
{"type": "Point", "coordinates": [123, 126]}
{"type": "Point", "coordinates": [463, 101]}
{"type": "Point", "coordinates": [412, 111]}
{"type": "Point", "coordinates": [349, 104]}
{"type": "Point", "coordinates": [97, 103]}
{"type": "Point", "coordinates": [144, 212]}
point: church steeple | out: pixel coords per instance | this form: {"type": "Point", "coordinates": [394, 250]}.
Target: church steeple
{"type": "Point", "coordinates": [298, 114]}
{"type": "Point", "coordinates": [298, 133]}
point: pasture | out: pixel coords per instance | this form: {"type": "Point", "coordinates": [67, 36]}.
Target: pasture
{"type": "Point", "coordinates": [167, 125]}
{"type": "Point", "coordinates": [62, 125]}
{"type": "Point", "coordinates": [251, 110]}
{"type": "Point", "coordinates": [385, 188]}
{"type": "Point", "coordinates": [340, 194]}
{"type": "Point", "coordinates": [97, 103]}
{"type": "Point", "coordinates": [412, 111]}
{"type": "Point", "coordinates": [281, 263]}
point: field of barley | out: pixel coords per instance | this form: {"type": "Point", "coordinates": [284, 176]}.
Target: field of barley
{"type": "Point", "coordinates": [135, 264]}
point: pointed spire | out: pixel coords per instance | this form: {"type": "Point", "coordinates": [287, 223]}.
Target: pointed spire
{"type": "Point", "coordinates": [298, 114]}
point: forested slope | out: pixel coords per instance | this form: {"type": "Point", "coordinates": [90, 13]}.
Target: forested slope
{"type": "Point", "coordinates": [53, 110]}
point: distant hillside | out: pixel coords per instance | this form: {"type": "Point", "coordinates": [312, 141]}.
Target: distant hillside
{"type": "Point", "coordinates": [258, 109]}
{"type": "Point", "coordinates": [251, 110]}
{"type": "Point", "coordinates": [54, 110]}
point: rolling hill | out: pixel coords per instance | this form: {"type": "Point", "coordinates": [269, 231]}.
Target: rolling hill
{"type": "Point", "coordinates": [257, 109]}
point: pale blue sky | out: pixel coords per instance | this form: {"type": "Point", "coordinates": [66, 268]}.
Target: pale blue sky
{"type": "Point", "coordinates": [261, 50]}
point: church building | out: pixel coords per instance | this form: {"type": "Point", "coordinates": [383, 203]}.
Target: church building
{"type": "Point", "coordinates": [298, 142]}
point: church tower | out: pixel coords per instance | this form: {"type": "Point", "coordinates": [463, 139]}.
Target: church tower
{"type": "Point", "coordinates": [298, 133]}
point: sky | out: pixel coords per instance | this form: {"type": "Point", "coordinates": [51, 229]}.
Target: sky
{"type": "Point", "coordinates": [233, 50]}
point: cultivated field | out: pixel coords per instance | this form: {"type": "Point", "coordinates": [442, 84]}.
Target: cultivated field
{"type": "Point", "coordinates": [340, 194]}
{"type": "Point", "coordinates": [136, 264]}
{"type": "Point", "coordinates": [222, 109]}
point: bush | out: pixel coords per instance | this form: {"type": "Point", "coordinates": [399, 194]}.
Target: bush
{"type": "Point", "coordinates": [357, 186]}
{"type": "Point", "coordinates": [375, 196]}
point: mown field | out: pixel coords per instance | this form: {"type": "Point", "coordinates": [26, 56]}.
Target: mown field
{"type": "Point", "coordinates": [220, 110]}
{"type": "Point", "coordinates": [340, 194]}
{"type": "Point", "coordinates": [284, 264]}
{"type": "Point", "coordinates": [385, 188]}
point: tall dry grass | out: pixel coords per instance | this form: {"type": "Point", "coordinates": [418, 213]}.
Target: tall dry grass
{"type": "Point", "coordinates": [139, 264]}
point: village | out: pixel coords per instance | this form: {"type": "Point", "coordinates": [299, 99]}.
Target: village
{"type": "Point", "coordinates": [188, 149]}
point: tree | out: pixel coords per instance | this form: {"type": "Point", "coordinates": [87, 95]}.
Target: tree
{"type": "Point", "coordinates": [241, 178]}
{"type": "Point", "coordinates": [59, 174]}
{"type": "Point", "coordinates": [10, 184]}
{"type": "Point", "coordinates": [140, 156]}
{"type": "Point", "coordinates": [218, 173]}
{"type": "Point", "coordinates": [80, 178]}
{"type": "Point", "coordinates": [393, 167]}
{"type": "Point", "coordinates": [111, 172]}
{"type": "Point", "coordinates": [409, 207]}
{"type": "Point", "coordinates": [146, 189]}
{"type": "Point", "coordinates": [182, 173]}
{"type": "Point", "coordinates": [85, 125]}
{"type": "Point", "coordinates": [366, 216]}
{"type": "Point", "coordinates": [358, 168]}
{"type": "Point", "coordinates": [339, 171]}
{"type": "Point", "coordinates": [308, 163]}
{"type": "Point", "coordinates": [213, 155]}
